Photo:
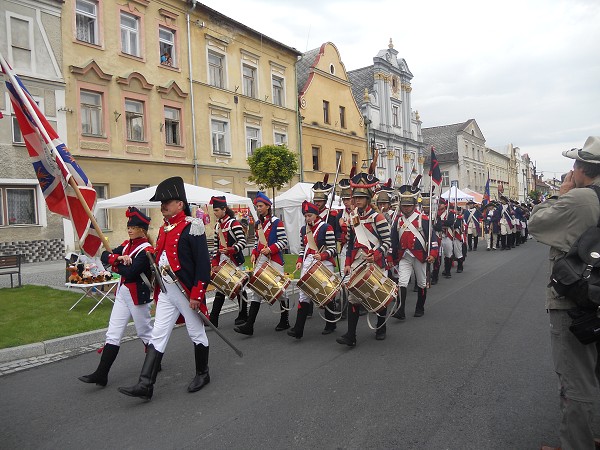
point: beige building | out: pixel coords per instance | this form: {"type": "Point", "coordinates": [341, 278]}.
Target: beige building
{"type": "Point", "coordinates": [332, 125]}
{"type": "Point", "coordinates": [134, 118]}
{"type": "Point", "coordinates": [30, 42]}
{"type": "Point", "coordinates": [497, 165]}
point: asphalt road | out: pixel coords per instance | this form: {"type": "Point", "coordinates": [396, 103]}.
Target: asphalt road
{"type": "Point", "coordinates": [473, 373]}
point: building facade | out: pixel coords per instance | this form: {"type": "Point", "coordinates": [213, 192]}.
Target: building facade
{"type": "Point", "coordinates": [332, 126]}
{"type": "Point", "coordinates": [160, 89]}
{"type": "Point", "coordinates": [30, 41]}
{"type": "Point", "coordinates": [460, 150]}
{"type": "Point", "coordinates": [383, 94]}
{"type": "Point", "coordinates": [497, 165]}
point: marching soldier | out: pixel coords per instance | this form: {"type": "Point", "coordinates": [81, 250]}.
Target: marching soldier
{"type": "Point", "coordinates": [410, 247]}
{"type": "Point", "coordinates": [181, 248]}
{"type": "Point", "coordinates": [133, 295]}
{"type": "Point", "coordinates": [384, 199]}
{"type": "Point", "coordinates": [368, 240]}
{"type": "Point", "coordinates": [506, 224]}
{"type": "Point", "coordinates": [436, 234]}
{"type": "Point", "coordinates": [472, 218]}
{"type": "Point", "coordinates": [230, 241]}
{"type": "Point", "coordinates": [318, 244]}
{"type": "Point", "coordinates": [450, 245]}
{"type": "Point", "coordinates": [271, 240]}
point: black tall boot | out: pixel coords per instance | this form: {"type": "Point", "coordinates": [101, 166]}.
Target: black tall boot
{"type": "Point", "coordinates": [503, 241]}
{"type": "Point", "coordinates": [381, 325]}
{"type": "Point", "coordinates": [400, 315]}
{"type": "Point", "coordinates": [516, 239]}
{"type": "Point", "coordinates": [216, 308]}
{"type": "Point", "coordinates": [243, 314]}
{"type": "Point", "coordinates": [470, 241]}
{"type": "Point", "coordinates": [100, 376]}
{"type": "Point", "coordinates": [298, 330]}
{"type": "Point", "coordinates": [350, 337]}
{"type": "Point", "coordinates": [475, 240]}
{"type": "Point", "coordinates": [460, 264]}
{"type": "Point", "coordinates": [420, 308]}
{"type": "Point", "coordinates": [202, 377]}
{"type": "Point", "coordinates": [330, 324]}
{"type": "Point", "coordinates": [145, 386]}
{"type": "Point", "coordinates": [284, 322]}
{"type": "Point", "coordinates": [447, 266]}
{"type": "Point", "coordinates": [435, 273]}
{"type": "Point", "coordinates": [248, 327]}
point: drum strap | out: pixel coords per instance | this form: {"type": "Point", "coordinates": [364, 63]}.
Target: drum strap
{"type": "Point", "coordinates": [408, 225]}
{"type": "Point", "coordinates": [261, 233]}
{"type": "Point", "coordinates": [365, 237]}
{"type": "Point", "coordinates": [222, 239]}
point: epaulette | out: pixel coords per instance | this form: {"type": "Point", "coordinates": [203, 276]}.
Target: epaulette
{"type": "Point", "coordinates": [196, 227]}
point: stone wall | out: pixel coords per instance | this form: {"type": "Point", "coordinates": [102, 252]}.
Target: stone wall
{"type": "Point", "coordinates": [35, 251]}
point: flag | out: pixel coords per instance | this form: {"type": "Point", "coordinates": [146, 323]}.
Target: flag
{"type": "Point", "coordinates": [434, 170]}
{"type": "Point", "coordinates": [53, 164]}
{"type": "Point", "coordinates": [486, 194]}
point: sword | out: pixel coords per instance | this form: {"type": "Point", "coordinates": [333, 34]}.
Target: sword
{"type": "Point", "coordinates": [202, 316]}
{"type": "Point", "coordinates": [156, 272]}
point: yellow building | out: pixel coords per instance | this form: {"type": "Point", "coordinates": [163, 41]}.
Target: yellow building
{"type": "Point", "coordinates": [332, 126]}
{"type": "Point", "coordinates": [133, 118]}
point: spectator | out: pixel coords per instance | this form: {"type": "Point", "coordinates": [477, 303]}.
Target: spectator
{"type": "Point", "coordinates": [166, 60]}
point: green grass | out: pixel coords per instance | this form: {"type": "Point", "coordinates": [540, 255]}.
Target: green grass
{"type": "Point", "coordinates": [32, 314]}
{"type": "Point", "coordinates": [290, 264]}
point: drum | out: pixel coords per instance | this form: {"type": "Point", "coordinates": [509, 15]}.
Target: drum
{"type": "Point", "coordinates": [229, 280]}
{"type": "Point", "coordinates": [374, 289]}
{"type": "Point", "coordinates": [320, 284]}
{"type": "Point", "coordinates": [267, 282]}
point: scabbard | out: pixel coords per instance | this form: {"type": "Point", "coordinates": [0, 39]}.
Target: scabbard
{"type": "Point", "coordinates": [156, 272]}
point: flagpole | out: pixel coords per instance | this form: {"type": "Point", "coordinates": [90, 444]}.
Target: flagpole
{"type": "Point", "coordinates": [25, 100]}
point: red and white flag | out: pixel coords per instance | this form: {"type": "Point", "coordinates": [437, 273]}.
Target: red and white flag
{"type": "Point", "coordinates": [53, 163]}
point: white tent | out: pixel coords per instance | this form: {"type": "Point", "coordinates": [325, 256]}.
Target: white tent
{"type": "Point", "coordinates": [456, 194]}
{"type": "Point", "coordinates": [195, 194]}
{"type": "Point", "coordinates": [291, 202]}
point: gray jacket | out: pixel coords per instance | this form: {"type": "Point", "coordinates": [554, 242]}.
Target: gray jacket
{"type": "Point", "coordinates": [559, 223]}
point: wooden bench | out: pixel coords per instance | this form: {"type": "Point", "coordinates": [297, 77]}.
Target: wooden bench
{"type": "Point", "coordinates": [11, 265]}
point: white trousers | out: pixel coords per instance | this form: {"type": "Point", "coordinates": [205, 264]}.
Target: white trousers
{"type": "Point", "coordinates": [123, 310]}
{"type": "Point", "coordinates": [407, 264]}
{"type": "Point", "coordinates": [448, 245]}
{"type": "Point", "coordinates": [309, 261]}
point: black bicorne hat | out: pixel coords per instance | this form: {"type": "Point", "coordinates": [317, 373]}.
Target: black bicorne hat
{"type": "Point", "coordinates": [172, 189]}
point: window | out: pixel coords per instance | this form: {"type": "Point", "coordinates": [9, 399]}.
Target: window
{"type": "Point", "coordinates": [315, 158]}
{"type": "Point", "coordinates": [86, 21]}
{"type": "Point", "coordinates": [130, 34]}
{"type": "Point", "coordinates": [280, 139]}
{"type": "Point", "coordinates": [16, 131]}
{"type": "Point", "coordinates": [166, 44]}
{"type": "Point", "coordinates": [21, 43]}
{"type": "Point", "coordinates": [342, 117]}
{"type": "Point", "coordinates": [172, 126]}
{"type": "Point", "coordinates": [445, 178]}
{"type": "Point", "coordinates": [338, 160]}
{"type": "Point", "coordinates": [102, 214]}
{"type": "Point", "coordinates": [91, 113]}
{"type": "Point", "coordinates": [134, 120]}
{"type": "Point", "coordinates": [355, 160]}
{"type": "Point", "coordinates": [216, 69]}
{"type": "Point", "coordinates": [325, 111]}
{"type": "Point", "coordinates": [278, 97]}
{"type": "Point", "coordinates": [395, 116]}
{"type": "Point", "coordinates": [21, 206]}
{"type": "Point", "coordinates": [249, 86]}
{"type": "Point", "coordinates": [139, 187]}
{"type": "Point", "coordinates": [219, 138]}
{"type": "Point", "coordinates": [381, 158]}
{"type": "Point", "coordinates": [252, 140]}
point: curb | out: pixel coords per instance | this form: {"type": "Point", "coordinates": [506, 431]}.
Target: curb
{"type": "Point", "coordinates": [59, 344]}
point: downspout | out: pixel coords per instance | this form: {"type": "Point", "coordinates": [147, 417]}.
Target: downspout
{"type": "Point", "coordinates": [299, 121]}
{"type": "Point", "coordinates": [189, 41]}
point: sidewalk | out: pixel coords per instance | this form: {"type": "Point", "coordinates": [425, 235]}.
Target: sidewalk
{"type": "Point", "coordinates": [52, 274]}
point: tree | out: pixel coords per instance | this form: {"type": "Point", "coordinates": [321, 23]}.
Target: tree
{"type": "Point", "coordinates": [272, 166]}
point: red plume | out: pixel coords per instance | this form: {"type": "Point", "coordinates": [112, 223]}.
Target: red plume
{"type": "Point", "coordinates": [326, 178]}
{"type": "Point", "coordinates": [389, 183]}
{"type": "Point", "coordinates": [417, 180]}
{"type": "Point", "coordinates": [352, 172]}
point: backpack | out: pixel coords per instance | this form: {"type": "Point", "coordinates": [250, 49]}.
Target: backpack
{"type": "Point", "coordinates": [576, 275]}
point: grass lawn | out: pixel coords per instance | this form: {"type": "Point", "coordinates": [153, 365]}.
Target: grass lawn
{"type": "Point", "coordinates": [32, 314]}
{"type": "Point", "coordinates": [290, 264]}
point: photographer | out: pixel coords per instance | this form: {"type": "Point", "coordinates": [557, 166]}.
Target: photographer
{"type": "Point", "coordinates": [558, 222]}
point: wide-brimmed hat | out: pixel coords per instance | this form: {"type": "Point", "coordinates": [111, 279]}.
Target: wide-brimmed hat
{"type": "Point", "coordinates": [589, 153]}
{"type": "Point", "coordinates": [321, 189]}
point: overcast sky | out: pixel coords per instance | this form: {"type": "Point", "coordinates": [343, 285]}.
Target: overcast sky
{"type": "Point", "coordinates": [528, 71]}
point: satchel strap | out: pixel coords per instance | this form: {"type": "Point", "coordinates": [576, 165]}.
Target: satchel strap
{"type": "Point", "coordinates": [597, 191]}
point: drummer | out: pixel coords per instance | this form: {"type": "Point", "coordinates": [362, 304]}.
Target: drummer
{"type": "Point", "coordinates": [368, 240]}
{"type": "Point", "coordinates": [410, 236]}
{"type": "Point", "coordinates": [270, 240]}
{"type": "Point", "coordinates": [317, 244]}
{"type": "Point", "coordinates": [230, 241]}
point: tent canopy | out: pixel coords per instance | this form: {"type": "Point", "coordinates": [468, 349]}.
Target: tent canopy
{"type": "Point", "coordinates": [195, 194]}
{"type": "Point", "coordinates": [455, 193]}
{"type": "Point", "coordinates": [294, 196]}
